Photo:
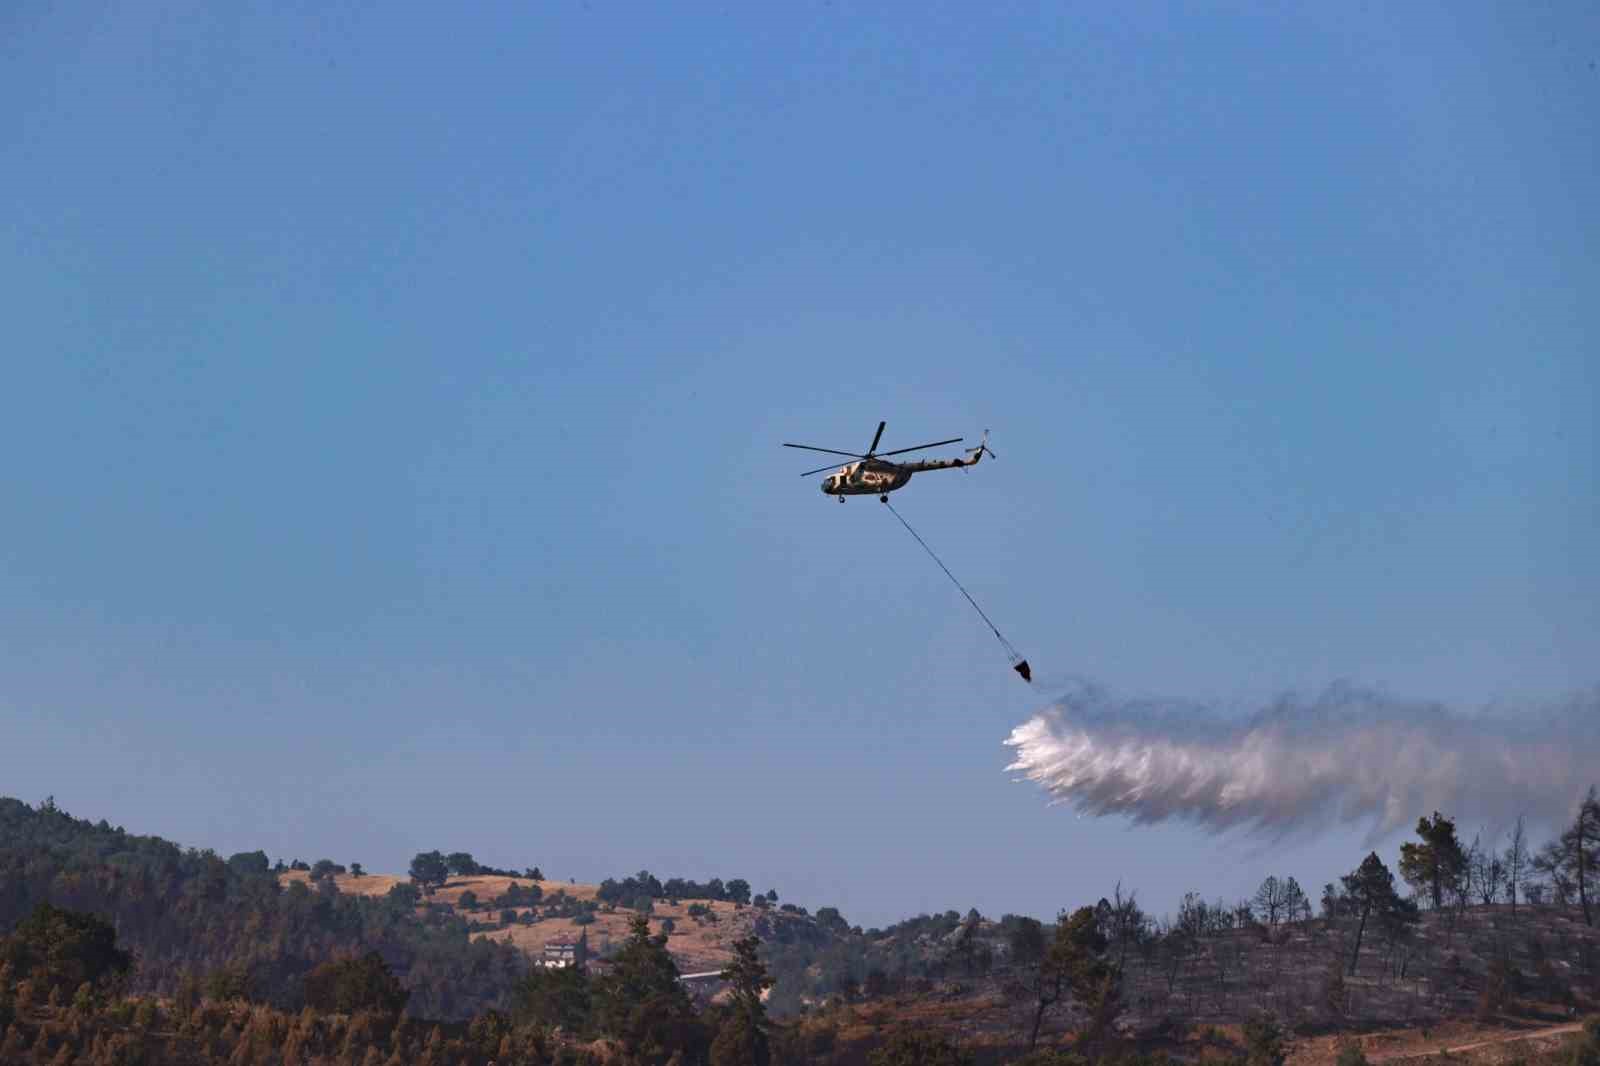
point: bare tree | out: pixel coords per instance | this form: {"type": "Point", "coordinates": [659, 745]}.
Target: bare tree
{"type": "Point", "coordinates": [1465, 880]}
{"type": "Point", "coordinates": [1572, 860]}
{"type": "Point", "coordinates": [1127, 924]}
{"type": "Point", "coordinates": [1174, 945]}
{"type": "Point", "coordinates": [1516, 862]}
{"type": "Point", "coordinates": [1225, 955]}
{"type": "Point", "coordinates": [1296, 905]}
{"type": "Point", "coordinates": [1271, 901]}
{"type": "Point", "coordinates": [1193, 922]}
{"type": "Point", "coordinates": [1488, 873]}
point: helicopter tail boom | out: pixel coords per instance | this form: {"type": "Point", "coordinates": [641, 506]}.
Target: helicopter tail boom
{"type": "Point", "coordinates": [972, 458]}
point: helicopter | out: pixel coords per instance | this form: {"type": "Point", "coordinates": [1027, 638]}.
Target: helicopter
{"type": "Point", "coordinates": [875, 473]}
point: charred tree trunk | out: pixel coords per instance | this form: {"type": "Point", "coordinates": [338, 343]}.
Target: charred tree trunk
{"type": "Point", "coordinates": [1047, 994]}
{"type": "Point", "coordinates": [1360, 929]}
{"type": "Point", "coordinates": [1584, 830]}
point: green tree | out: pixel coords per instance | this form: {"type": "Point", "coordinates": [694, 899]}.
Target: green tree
{"type": "Point", "coordinates": [1069, 964]}
{"type": "Point", "coordinates": [558, 996]}
{"type": "Point", "coordinates": [830, 920]}
{"type": "Point", "coordinates": [249, 863]}
{"type": "Point", "coordinates": [461, 863]}
{"type": "Point", "coordinates": [641, 1001]}
{"type": "Point", "coordinates": [740, 1043]}
{"type": "Point", "coordinates": [429, 869]}
{"type": "Point", "coordinates": [404, 894]}
{"type": "Point", "coordinates": [355, 984]}
{"type": "Point", "coordinates": [1436, 861]}
{"type": "Point", "coordinates": [743, 1037]}
{"type": "Point", "coordinates": [61, 949]}
{"type": "Point", "coordinates": [1369, 892]}
{"type": "Point", "coordinates": [738, 890]}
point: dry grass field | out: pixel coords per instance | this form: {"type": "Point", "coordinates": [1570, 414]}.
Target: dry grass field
{"type": "Point", "coordinates": [698, 944]}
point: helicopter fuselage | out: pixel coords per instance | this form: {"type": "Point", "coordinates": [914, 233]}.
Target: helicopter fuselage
{"type": "Point", "coordinates": [878, 477]}
{"type": "Point", "coordinates": [865, 478]}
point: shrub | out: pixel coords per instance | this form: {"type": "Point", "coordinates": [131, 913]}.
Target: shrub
{"type": "Point", "coordinates": [1264, 1044]}
{"type": "Point", "coordinates": [918, 1048]}
{"type": "Point", "coordinates": [404, 894]}
{"type": "Point", "coordinates": [1350, 1054]}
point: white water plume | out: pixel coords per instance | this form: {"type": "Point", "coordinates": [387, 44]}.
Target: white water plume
{"type": "Point", "coordinates": [1350, 756]}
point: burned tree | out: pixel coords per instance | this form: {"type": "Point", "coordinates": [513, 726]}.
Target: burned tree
{"type": "Point", "coordinates": [1572, 860]}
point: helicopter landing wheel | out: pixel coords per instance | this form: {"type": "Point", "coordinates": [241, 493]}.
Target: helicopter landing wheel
{"type": "Point", "coordinates": [884, 498]}
{"type": "Point", "coordinates": [841, 499]}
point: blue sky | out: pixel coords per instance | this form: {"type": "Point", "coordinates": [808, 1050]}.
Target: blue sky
{"type": "Point", "coordinates": [392, 405]}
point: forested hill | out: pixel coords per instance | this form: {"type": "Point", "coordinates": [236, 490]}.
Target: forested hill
{"type": "Point", "coordinates": [191, 914]}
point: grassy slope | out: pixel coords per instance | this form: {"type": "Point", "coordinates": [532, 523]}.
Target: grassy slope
{"type": "Point", "coordinates": [697, 945]}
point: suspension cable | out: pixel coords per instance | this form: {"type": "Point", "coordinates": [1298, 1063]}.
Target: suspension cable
{"type": "Point", "coordinates": [1018, 663]}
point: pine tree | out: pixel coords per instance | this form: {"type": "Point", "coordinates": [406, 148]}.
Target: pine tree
{"type": "Point", "coordinates": [641, 1001]}
{"type": "Point", "coordinates": [1369, 892]}
{"type": "Point", "coordinates": [1437, 861]}
{"type": "Point", "coordinates": [742, 1039]}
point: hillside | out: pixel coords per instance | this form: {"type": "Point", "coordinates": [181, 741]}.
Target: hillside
{"type": "Point", "coordinates": [697, 942]}
{"type": "Point", "coordinates": [1484, 979]}
{"type": "Point", "coordinates": [190, 914]}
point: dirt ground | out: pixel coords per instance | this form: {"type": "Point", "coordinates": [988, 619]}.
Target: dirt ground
{"type": "Point", "coordinates": [1481, 1043]}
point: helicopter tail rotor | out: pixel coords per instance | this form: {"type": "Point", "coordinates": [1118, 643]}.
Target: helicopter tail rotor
{"type": "Point", "coordinates": [983, 448]}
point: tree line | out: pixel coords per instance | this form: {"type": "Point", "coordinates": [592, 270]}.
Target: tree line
{"type": "Point", "coordinates": [190, 914]}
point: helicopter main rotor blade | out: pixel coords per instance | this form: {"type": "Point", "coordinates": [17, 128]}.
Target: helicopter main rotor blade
{"type": "Point", "coordinates": [876, 437]}
{"type": "Point", "coordinates": [820, 469]}
{"type": "Point", "coordinates": [830, 451]}
{"type": "Point", "coordinates": [918, 448]}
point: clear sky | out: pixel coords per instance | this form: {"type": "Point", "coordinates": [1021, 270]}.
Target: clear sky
{"type": "Point", "coordinates": [391, 403]}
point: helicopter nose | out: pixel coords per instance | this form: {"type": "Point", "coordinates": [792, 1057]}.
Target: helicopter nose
{"type": "Point", "coordinates": [827, 484]}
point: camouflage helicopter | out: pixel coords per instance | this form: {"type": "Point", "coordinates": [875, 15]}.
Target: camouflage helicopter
{"type": "Point", "coordinates": [873, 472]}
